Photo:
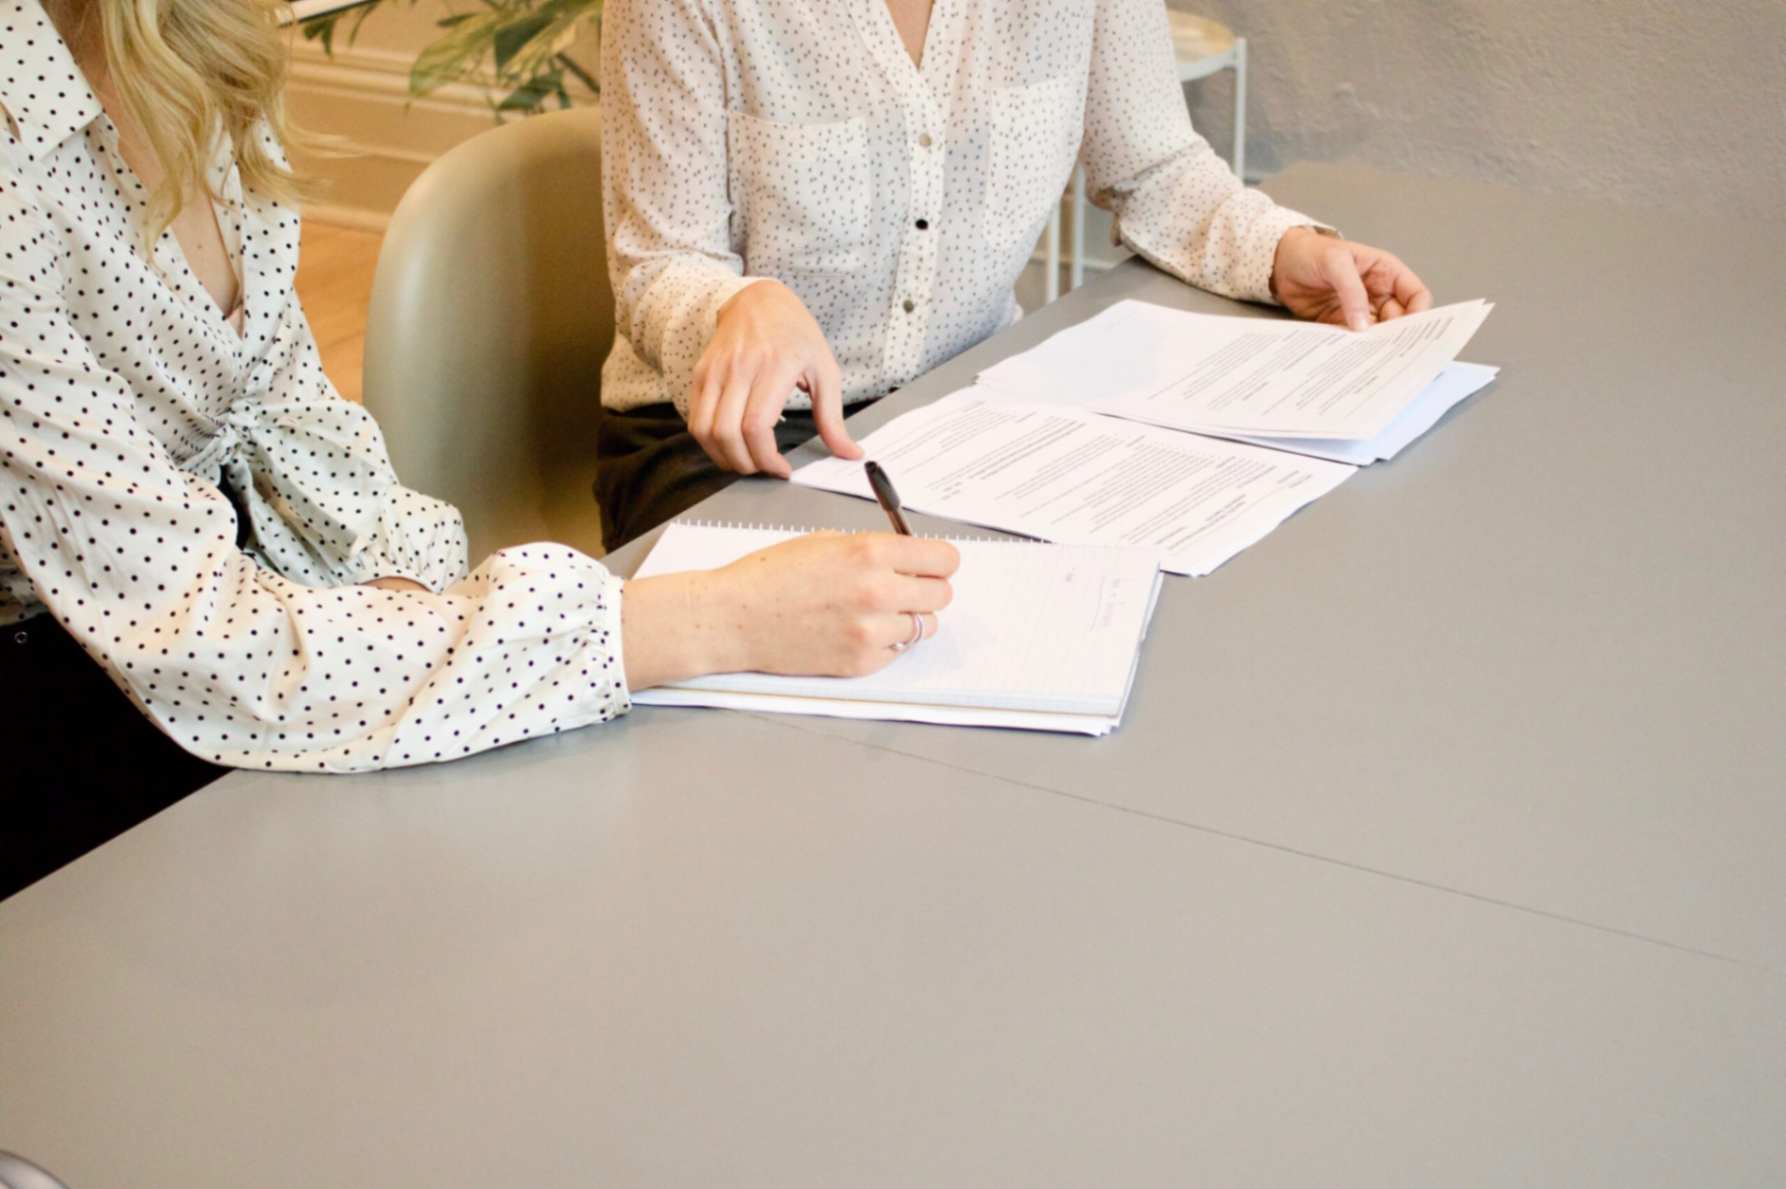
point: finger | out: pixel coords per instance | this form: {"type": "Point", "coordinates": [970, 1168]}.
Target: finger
{"type": "Point", "coordinates": [918, 556]}
{"type": "Point", "coordinates": [1412, 292]}
{"type": "Point", "coordinates": [1388, 277]}
{"type": "Point", "coordinates": [1348, 286]}
{"type": "Point", "coordinates": [907, 593]}
{"type": "Point", "coordinates": [897, 629]}
{"type": "Point", "coordinates": [725, 442]}
{"type": "Point", "coordinates": [703, 399]}
{"type": "Point", "coordinates": [768, 397]}
{"type": "Point", "coordinates": [825, 383]}
{"type": "Point", "coordinates": [1390, 308]}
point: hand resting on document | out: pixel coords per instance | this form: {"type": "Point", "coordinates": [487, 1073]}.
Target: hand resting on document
{"type": "Point", "coordinates": [1320, 278]}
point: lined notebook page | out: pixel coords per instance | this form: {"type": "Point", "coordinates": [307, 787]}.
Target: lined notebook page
{"type": "Point", "coordinates": [1033, 627]}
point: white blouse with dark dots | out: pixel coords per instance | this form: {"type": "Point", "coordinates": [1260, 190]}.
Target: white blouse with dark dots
{"type": "Point", "coordinates": [126, 398]}
{"type": "Point", "coordinates": [745, 139]}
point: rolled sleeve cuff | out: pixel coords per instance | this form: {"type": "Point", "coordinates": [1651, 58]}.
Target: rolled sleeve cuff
{"type": "Point", "coordinates": [614, 697]}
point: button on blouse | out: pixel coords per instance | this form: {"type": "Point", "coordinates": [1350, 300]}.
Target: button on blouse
{"type": "Point", "coordinates": [755, 138]}
{"type": "Point", "coordinates": [129, 403]}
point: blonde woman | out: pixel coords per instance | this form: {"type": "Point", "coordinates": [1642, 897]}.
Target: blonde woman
{"type": "Point", "coordinates": [205, 560]}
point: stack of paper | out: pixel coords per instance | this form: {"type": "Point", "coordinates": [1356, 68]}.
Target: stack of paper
{"type": "Point", "coordinates": [1315, 389]}
{"type": "Point", "coordinates": [1457, 382]}
{"type": "Point", "coordinates": [1040, 637]}
{"type": "Point", "coordinates": [1067, 475]}
{"type": "Point", "coordinates": [1034, 448]}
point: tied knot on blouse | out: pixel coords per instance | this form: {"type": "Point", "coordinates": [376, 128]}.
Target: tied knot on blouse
{"type": "Point", "coordinates": [269, 459]}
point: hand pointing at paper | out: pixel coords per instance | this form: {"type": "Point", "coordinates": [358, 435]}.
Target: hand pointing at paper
{"type": "Point", "coordinates": [765, 344]}
{"type": "Point", "coordinates": [1324, 279]}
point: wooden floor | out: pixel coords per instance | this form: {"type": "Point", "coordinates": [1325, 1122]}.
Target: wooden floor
{"type": "Point", "coordinates": [335, 266]}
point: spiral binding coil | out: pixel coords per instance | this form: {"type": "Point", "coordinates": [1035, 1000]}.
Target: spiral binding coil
{"type": "Point", "coordinates": [797, 530]}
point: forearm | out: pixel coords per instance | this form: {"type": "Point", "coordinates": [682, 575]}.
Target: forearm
{"type": "Point", "coordinates": [669, 244]}
{"type": "Point", "coordinates": [677, 626]}
{"type": "Point", "coordinates": [1177, 204]}
{"type": "Point", "coordinates": [1207, 231]}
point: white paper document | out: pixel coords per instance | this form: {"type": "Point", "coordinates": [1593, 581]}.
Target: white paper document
{"type": "Point", "coordinates": [1258, 377]}
{"type": "Point", "coordinates": [1064, 474]}
{"type": "Point", "coordinates": [1456, 383]}
{"type": "Point", "coordinates": [1040, 637]}
{"type": "Point", "coordinates": [948, 716]}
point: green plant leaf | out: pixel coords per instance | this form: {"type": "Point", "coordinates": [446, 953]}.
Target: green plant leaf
{"type": "Point", "coordinates": [321, 29]}
{"type": "Point", "coordinates": [576, 71]}
{"type": "Point", "coordinates": [452, 57]}
{"type": "Point", "coordinates": [359, 18]}
{"type": "Point", "coordinates": [522, 43]}
{"type": "Point", "coordinates": [513, 37]}
{"type": "Point", "coordinates": [531, 95]}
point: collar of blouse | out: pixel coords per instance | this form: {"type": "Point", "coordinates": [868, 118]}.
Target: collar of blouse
{"type": "Point", "coordinates": [47, 99]}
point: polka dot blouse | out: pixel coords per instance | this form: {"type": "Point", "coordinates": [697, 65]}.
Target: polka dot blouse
{"type": "Point", "coordinates": [128, 403]}
{"type": "Point", "coordinates": [779, 138]}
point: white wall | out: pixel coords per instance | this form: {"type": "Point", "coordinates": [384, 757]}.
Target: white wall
{"type": "Point", "coordinates": [1656, 103]}
{"type": "Point", "coordinates": [1635, 102]}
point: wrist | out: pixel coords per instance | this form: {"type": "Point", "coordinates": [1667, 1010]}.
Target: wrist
{"type": "Point", "coordinates": [714, 617]}
{"type": "Point", "coordinates": [683, 625]}
{"type": "Point", "coordinates": [1286, 241]}
{"type": "Point", "coordinates": [755, 290]}
{"type": "Point", "coordinates": [676, 626]}
{"type": "Point", "coordinates": [1292, 240]}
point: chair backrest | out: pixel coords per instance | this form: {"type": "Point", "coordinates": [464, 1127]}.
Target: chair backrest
{"type": "Point", "coordinates": [491, 315]}
{"type": "Point", "coordinates": [18, 1173]}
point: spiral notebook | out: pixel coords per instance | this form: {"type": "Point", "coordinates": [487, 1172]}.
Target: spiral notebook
{"type": "Point", "coordinates": [1038, 637]}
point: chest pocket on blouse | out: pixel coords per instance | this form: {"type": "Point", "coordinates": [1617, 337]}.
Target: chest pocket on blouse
{"type": "Point", "coordinates": [1036, 130]}
{"type": "Point", "coordinates": [802, 192]}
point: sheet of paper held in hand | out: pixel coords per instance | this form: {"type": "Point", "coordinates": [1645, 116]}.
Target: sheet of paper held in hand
{"type": "Point", "coordinates": [1261, 378]}
{"type": "Point", "coordinates": [1042, 637]}
{"type": "Point", "coordinates": [1067, 475]}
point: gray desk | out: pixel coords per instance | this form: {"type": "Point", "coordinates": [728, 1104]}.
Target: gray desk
{"type": "Point", "coordinates": [1440, 847]}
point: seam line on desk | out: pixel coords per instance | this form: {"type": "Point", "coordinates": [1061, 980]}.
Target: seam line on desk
{"type": "Point", "coordinates": [1282, 848]}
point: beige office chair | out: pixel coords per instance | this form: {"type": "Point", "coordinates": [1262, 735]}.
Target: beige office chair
{"type": "Point", "coordinates": [491, 315]}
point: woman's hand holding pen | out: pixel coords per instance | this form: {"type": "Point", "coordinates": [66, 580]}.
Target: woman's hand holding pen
{"type": "Point", "coordinates": [829, 604]}
{"type": "Point", "coordinates": [765, 344]}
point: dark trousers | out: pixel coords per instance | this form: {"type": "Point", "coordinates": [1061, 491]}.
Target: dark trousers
{"type": "Point", "coordinates": [79, 763]}
{"type": "Point", "coordinates": [653, 469]}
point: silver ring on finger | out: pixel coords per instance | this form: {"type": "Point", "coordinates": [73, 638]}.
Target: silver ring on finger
{"type": "Point", "coordinates": [917, 633]}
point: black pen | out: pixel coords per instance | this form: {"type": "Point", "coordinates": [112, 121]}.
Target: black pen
{"type": "Point", "coordinates": [889, 499]}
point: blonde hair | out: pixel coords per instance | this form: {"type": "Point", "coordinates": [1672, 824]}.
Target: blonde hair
{"type": "Point", "coordinates": [190, 71]}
